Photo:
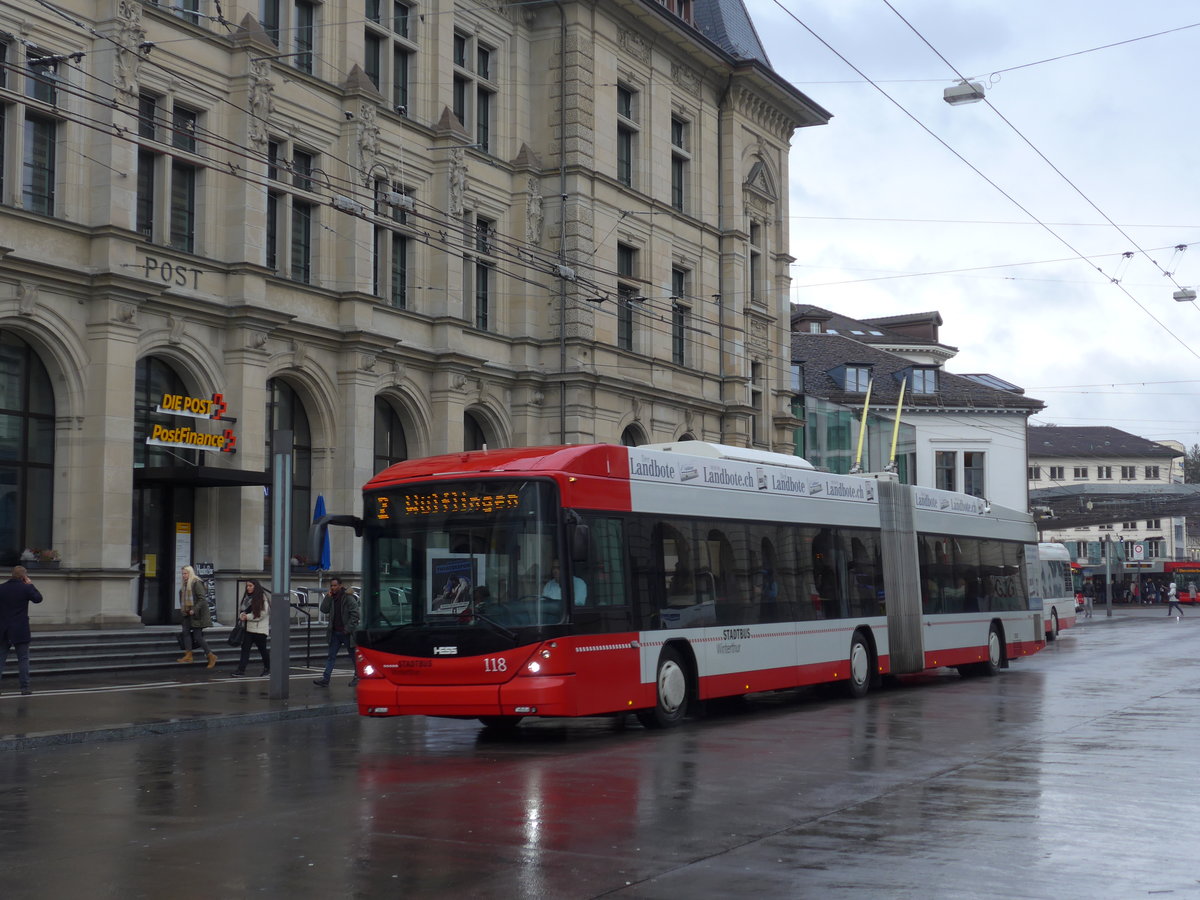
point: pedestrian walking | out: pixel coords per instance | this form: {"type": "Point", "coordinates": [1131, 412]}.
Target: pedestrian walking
{"type": "Point", "coordinates": [15, 596]}
{"type": "Point", "coordinates": [342, 608]}
{"type": "Point", "coordinates": [1172, 599]}
{"type": "Point", "coordinates": [1089, 597]}
{"type": "Point", "coordinates": [193, 602]}
{"type": "Point", "coordinates": [255, 615]}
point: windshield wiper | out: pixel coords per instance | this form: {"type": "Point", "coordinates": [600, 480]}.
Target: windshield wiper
{"type": "Point", "coordinates": [496, 626]}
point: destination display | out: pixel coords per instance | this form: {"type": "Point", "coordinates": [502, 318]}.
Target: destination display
{"type": "Point", "coordinates": [449, 500]}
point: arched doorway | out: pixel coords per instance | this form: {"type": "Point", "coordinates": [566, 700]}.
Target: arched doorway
{"type": "Point", "coordinates": [163, 507]}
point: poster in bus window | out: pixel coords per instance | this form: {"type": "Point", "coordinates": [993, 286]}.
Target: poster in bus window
{"type": "Point", "coordinates": [451, 579]}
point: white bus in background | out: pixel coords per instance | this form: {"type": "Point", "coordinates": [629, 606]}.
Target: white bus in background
{"type": "Point", "coordinates": [1052, 580]}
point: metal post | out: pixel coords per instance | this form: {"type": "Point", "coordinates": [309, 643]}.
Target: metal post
{"type": "Point", "coordinates": [281, 555]}
{"type": "Point", "coordinates": [1108, 592]}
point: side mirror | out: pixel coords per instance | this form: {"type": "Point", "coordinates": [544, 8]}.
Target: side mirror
{"type": "Point", "coordinates": [578, 537]}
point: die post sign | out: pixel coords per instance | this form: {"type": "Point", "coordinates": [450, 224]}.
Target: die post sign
{"type": "Point", "coordinates": [212, 409]}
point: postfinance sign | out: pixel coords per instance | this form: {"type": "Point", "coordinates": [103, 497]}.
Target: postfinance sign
{"type": "Point", "coordinates": [211, 408]}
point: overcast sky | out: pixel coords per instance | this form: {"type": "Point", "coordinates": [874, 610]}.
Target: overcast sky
{"type": "Point", "coordinates": [882, 213]}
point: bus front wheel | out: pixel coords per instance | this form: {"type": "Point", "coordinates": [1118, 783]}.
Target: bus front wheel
{"type": "Point", "coordinates": [670, 691]}
{"type": "Point", "coordinates": [1052, 633]}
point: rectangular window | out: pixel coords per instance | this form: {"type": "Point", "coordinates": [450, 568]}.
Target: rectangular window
{"type": "Point", "coordinates": [679, 162]}
{"type": "Point", "coordinates": [945, 467]}
{"type": "Point", "coordinates": [1104, 473]}
{"type": "Point", "coordinates": [274, 203]}
{"type": "Point", "coordinates": [680, 315]}
{"type": "Point", "coordinates": [41, 78]}
{"type": "Point", "coordinates": [148, 117]}
{"type": "Point", "coordinates": [292, 27]}
{"type": "Point", "coordinates": [146, 164]}
{"type": "Point", "coordinates": [625, 156]}
{"type": "Point", "coordinates": [1128, 473]}
{"type": "Point", "coordinates": [39, 164]}
{"type": "Point", "coordinates": [626, 131]}
{"type": "Point", "coordinates": [974, 474]}
{"type": "Point", "coordinates": [399, 280]}
{"type": "Point", "coordinates": [624, 102]}
{"type": "Point", "coordinates": [400, 14]}
{"type": "Point", "coordinates": [1058, 473]}
{"type": "Point", "coordinates": [371, 50]}
{"type": "Point", "coordinates": [1153, 524]}
{"type": "Point", "coordinates": [625, 303]}
{"type": "Point", "coordinates": [1152, 473]}
{"type": "Point", "coordinates": [755, 274]}
{"type": "Point", "coordinates": [483, 119]}
{"type": "Point", "coordinates": [482, 295]}
{"type": "Point", "coordinates": [1080, 473]}
{"type": "Point", "coordinates": [924, 381]}
{"type": "Point", "coordinates": [857, 379]}
{"type": "Point", "coordinates": [1034, 473]}
{"type": "Point", "coordinates": [301, 268]}
{"type": "Point", "coordinates": [183, 207]}
{"type": "Point", "coordinates": [459, 99]}
{"type": "Point", "coordinates": [183, 129]}
{"type": "Point", "coordinates": [1129, 526]}
{"type": "Point", "coordinates": [305, 40]}
{"type": "Point", "coordinates": [400, 66]}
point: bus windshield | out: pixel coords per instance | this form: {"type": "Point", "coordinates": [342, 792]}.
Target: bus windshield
{"type": "Point", "coordinates": [464, 552]}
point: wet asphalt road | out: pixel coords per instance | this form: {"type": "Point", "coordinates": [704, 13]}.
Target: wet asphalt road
{"type": "Point", "coordinates": [1075, 774]}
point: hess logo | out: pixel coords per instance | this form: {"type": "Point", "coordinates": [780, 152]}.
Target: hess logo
{"type": "Point", "coordinates": [445, 651]}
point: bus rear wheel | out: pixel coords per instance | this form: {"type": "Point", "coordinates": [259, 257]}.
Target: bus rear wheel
{"type": "Point", "coordinates": [994, 660]}
{"type": "Point", "coordinates": [860, 667]}
{"type": "Point", "coordinates": [671, 692]}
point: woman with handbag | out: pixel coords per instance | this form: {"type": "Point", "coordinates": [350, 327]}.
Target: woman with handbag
{"type": "Point", "coordinates": [193, 602]}
{"type": "Point", "coordinates": [254, 617]}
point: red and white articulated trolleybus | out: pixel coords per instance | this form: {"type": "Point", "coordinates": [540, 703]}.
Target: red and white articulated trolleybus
{"type": "Point", "coordinates": [587, 580]}
{"type": "Point", "coordinates": [1052, 580]}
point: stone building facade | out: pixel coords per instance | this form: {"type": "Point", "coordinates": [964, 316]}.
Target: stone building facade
{"type": "Point", "coordinates": [393, 228]}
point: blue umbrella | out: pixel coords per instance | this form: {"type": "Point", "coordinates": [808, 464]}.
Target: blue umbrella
{"type": "Point", "coordinates": [318, 513]}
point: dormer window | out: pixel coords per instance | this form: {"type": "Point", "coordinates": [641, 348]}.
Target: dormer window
{"type": "Point", "coordinates": [856, 379]}
{"type": "Point", "coordinates": [922, 381]}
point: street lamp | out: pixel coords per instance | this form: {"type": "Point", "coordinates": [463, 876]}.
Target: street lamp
{"type": "Point", "coordinates": [963, 92]}
{"type": "Point", "coordinates": [1108, 587]}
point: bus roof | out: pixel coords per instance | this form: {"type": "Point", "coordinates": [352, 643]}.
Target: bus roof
{"type": "Point", "coordinates": [589, 458]}
{"type": "Point", "coordinates": [1049, 550]}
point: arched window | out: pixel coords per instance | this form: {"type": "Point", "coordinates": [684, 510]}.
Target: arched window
{"type": "Point", "coordinates": [154, 379]}
{"type": "Point", "coordinates": [633, 437]}
{"type": "Point", "coordinates": [26, 450]}
{"type": "Point", "coordinates": [286, 412]}
{"type": "Point", "coordinates": [390, 445]}
{"type": "Point", "coordinates": [474, 437]}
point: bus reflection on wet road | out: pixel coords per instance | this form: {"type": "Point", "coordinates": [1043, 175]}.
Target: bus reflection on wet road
{"type": "Point", "coordinates": [1072, 774]}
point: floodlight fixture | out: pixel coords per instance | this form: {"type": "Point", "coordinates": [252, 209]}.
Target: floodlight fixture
{"type": "Point", "coordinates": [1185, 295]}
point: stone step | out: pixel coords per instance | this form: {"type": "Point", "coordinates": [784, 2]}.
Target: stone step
{"type": "Point", "coordinates": [125, 650]}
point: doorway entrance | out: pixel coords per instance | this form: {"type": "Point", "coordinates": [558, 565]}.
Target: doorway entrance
{"type": "Point", "coordinates": [162, 526]}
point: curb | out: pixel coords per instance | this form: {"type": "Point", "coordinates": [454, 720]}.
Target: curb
{"type": "Point", "coordinates": [171, 726]}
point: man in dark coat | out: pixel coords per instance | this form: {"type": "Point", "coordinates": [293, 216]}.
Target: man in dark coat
{"type": "Point", "coordinates": [15, 596]}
